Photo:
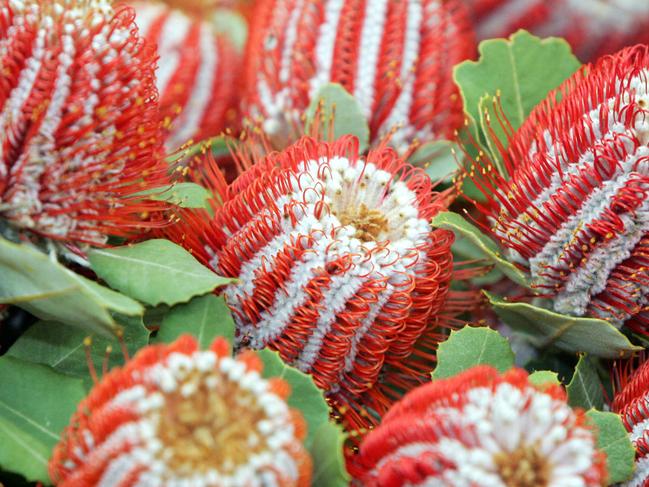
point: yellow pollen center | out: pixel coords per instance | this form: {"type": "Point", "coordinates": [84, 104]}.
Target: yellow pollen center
{"type": "Point", "coordinates": [368, 223]}
{"type": "Point", "coordinates": [524, 467]}
{"type": "Point", "coordinates": [212, 428]}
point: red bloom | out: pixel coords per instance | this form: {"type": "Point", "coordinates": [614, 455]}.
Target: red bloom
{"type": "Point", "coordinates": [175, 415]}
{"type": "Point", "coordinates": [79, 135]}
{"type": "Point", "coordinates": [592, 28]}
{"type": "Point", "coordinates": [196, 72]}
{"type": "Point", "coordinates": [394, 57]}
{"type": "Point", "coordinates": [480, 428]}
{"type": "Point", "coordinates": [338, 267]}
{"type": "Point", "coordinates": [575, 210]}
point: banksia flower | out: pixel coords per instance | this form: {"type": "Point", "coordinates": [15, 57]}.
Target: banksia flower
{"type": "Point", "coordinates": [592, 28]}
{"type": "Point", "coordinates": [78, 120]}
{"type": "Point", "coordinates": [196, 75]}
{"type": "Point", "coordinates": [338, 267]}
{"type": "Point", "coordinates": [574, 207]}
{"type": "Point", "coordinates": [394, 57]}
{"type": "Point", "coordinates": [480, 428]}
{"type": "Point", "coordinates": [175, 415]}
{"type": "Point", "coordinates": [630, 402]}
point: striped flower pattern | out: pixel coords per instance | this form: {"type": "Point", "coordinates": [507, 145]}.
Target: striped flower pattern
{"type": "Point", "coordinates": [175, 415]}
{"type": "Point", "coordinates": [592, 28]}
{"type": "Point", "coordinates": [196, 75]}
{"type": "Point", "coordinates": [394, 57]}
{"type": "Point", "coordinates": [482, 428]}
{"type": "Point", "coordinates": [79, 134]}
{"type": "Point", "coordinates": [339, 269]}
{"type": "Point", "coordinates": [575, 209]}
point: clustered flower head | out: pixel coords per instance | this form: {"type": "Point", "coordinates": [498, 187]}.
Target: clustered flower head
{"type": "Point", "coordinates": [482, 428]}
{"type": "Point", "coordinates": [79, 134]}
{"type": "Point", "coordinates": [574, 209]}
{"type": "Point", "coordinates": [338, 267]}
{"type": "Point", "coordinates": [394, 57]}
{"type": "Point", "coordinates": [591, 28]}
{"type": "Point", "coordinates": [631, 402]}
{"type": "Point", "coordinates": [176, 415]}
{"type": "Point", "coordinates": [196, 72]}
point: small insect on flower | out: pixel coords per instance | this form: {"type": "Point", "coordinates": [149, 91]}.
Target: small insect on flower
{"type": "Point", "coordinates": [396, 58]}
{"type": "Point", "coordinates": [630, 402]}
{"type": "Point", "coordinates": [482, 428]}
{"type": "Point", "coordinates": [79, 134]}
{"type": "Point", "coordinates": [573, 203]}
{"type": "Point", "coordinates": [176, 415]}
{"type": "Point", "coordinates": [338, 268]}
{"type": "Point", "coordinates": [196, 75]}
{"type": "Point", "coordinates": [591, 28]}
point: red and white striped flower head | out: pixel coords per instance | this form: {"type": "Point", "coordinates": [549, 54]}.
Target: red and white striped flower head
{"type": "Point", "coordinates": [396, 58]}
{"type": "Point", "coordinates": [338, 267]}
{"type": "Point", "coordinates": [482, 428]}
{"type": "Point", "coordinates": [575, 209]}
{"type": "Point", "coordinates": [79, 132]}
{"type": "Point", "coordinates": [196, 75]}
{"type": "Point", "coordinates": [592, 28]}
{"type": "Point", "coordinates": [630, 402]}
{"type": "Point", "coordinates": [176, 415]}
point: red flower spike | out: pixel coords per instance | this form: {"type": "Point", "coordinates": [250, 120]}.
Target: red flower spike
{"type": "Point", "coordinates": [79, 135]}
{"type": "Point", "coordinates": [592, 29]}
{"type": "Point", "coordinates": [394, 57]}
{"type": "Point", "coordinates": [197, 69]}
{"type": "Point", "coordinates": [175, 415]}
{"type": "Point", "coordinates": [338, 267]}
{"type": "Point", "coordinates": [630, 402]}
{"type": "Point", "coordinates": [575, 211]}
{"type": "Point", "coordinates": [482, 428]}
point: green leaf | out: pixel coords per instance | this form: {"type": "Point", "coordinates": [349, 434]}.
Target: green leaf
{"type": "Point", "coordinates": [156, 271]}
{"type": "Point", "coordinates": [472, 346]}
{"type": "Point", "coordinates": [438, 158]}
{"type": "Point", "coordinates": [36, 404]}
{"type": "Point", "coordinates": [185, 195]}
{"type": "Point", "coordinates": [305, 395]}
{"type": "Point", "coordinates": [585, 388]}
{"type": "Point", "coordinates": [217, 145]}
{"type": "Point", "coordinates": [62, 347]}
{"type": "Point", "coordinates": [517, 68]}
{"type": "Point", "coordinates": [328, 457]}
{"type": "Point", "coordinates": [545, 328]}
{"type": "Point", "coordinates": [614, 440]}
{"type": "Point", "coordinates": [205, 317]}
{"type": "Point", "coordinates": [34, 282]}
{"type": "Point", "coordinates": [335, 102]}
{"type": "Point", "coordinates": [232, 24]}
{"type": "Point", "coordinates": [482, 244]}
{"type": "Point", "coordinates": [543, 377]}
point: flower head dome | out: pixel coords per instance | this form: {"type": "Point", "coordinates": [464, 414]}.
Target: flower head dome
{"type": "Point", "coordinates": [574, 208]}
{"type": "Point", "coordinates": [339, 269]}
{"type": "Point", "coordinates": [175, 415]}
{"type": "Point", "coordinates": [630, 402]}
{"type": "Point", "coordinates": [197, 70]}
{"type": "Point", "coordinates": [480, 428]}
{"type": "Point", "coordinates": [79, 135]}
{"type": "Point", "coordinates": [394, 57]}
{"type": "Point", "coordinates": [591, 28]}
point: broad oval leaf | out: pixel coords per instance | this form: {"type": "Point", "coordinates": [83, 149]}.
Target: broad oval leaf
{"type": "Point", "coordinates": [544, 377]}
{"type": "Point", "coordinates": [544, 328]}
{"type": "Point", "coordinates": [36, 404]}
{"type": "Point", "coordinates": [472, 346]}
{"type": "Point", "coordinates": [437, 158]}
{"type": "Point", "coordinates": [305, 395]}
{"type": "Point", "coordinates": [614, 440]}
{"type": "Point", "coordinates": [585, 388]}
{"type": "Point", "coordinates": [204, 317]}
{"type": "Point", "coordinates": [185, 195]}
{"type": "Point", "coordinates": [333, 101]}
{"type": "Point", "coordinates": [154, 272]}
{"type": "Point", "coordinates": [328, 457]}
{"type": "Point", "coordinates": [34, 282]}
{"type": "Point", "coordinates": [482, 244]}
